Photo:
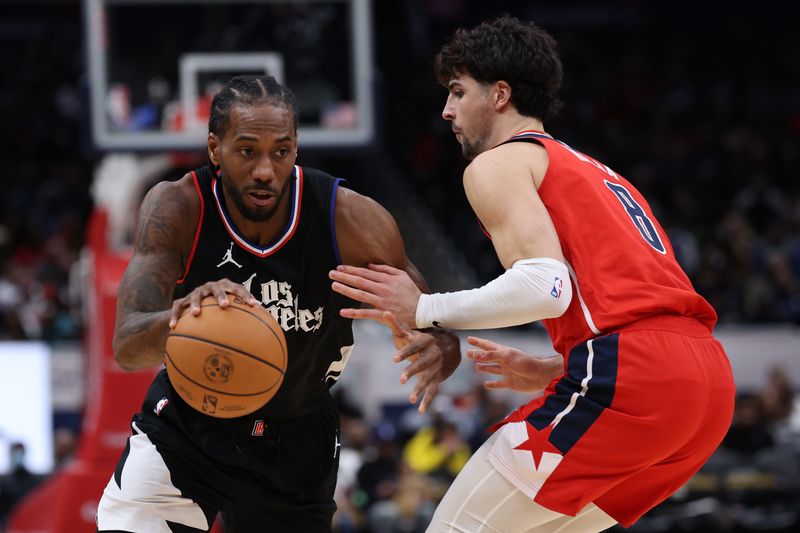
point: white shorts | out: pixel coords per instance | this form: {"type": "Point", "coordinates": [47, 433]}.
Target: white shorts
{"type": "Point", "coordinates": [140, 497]}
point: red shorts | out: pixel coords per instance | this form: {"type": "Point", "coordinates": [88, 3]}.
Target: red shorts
{"type": "Point", "coordinates": [636, 414]}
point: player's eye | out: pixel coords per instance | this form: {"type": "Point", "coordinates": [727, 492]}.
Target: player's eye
{"type": "Point", "coordinates": [245, 151]}
{"type": "Point", "coordinates": [283, 152]}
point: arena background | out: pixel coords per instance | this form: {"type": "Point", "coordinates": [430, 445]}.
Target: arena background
{"type": "Point", "coordinates": [697, 103]}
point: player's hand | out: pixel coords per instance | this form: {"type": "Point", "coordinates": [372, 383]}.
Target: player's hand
{"type": "Point", "coordinates": [222, 290]}
{"type": "Point", "coordinates": [383, 287]}
{"type": "Point", "coordinates": [433, 356]}
{"type": "Point", "coordinates": [518, 371]}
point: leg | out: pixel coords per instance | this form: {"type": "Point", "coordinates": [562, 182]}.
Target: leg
{"type": "Point", "coordinates": [301, 496]}
{"type": "Point", "coordinates": [482, 500]}
{"type": "Point", "coordinates": [590, 520]}
{"type": "Point", "coordinates": [140, 496]}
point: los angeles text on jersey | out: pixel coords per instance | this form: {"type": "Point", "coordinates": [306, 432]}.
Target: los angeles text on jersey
{"type": "Point", "coordinates": [284, 306]}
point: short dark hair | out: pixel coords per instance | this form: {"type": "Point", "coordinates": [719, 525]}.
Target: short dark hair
{"type": "Point", "coordinates": [506, 48]}
{"type": "Point", "coordinates": [248, 90]}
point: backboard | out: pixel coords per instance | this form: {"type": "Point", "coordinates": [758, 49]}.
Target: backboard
{"type": "Point", "coordinates": [155, 65]}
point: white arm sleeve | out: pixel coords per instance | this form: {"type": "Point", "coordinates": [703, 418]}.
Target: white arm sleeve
{"type": "Point", "coordinates": [532, 289]}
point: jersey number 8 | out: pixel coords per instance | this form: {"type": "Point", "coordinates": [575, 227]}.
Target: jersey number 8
{"type": "Point", "coordinates": [638, 216]}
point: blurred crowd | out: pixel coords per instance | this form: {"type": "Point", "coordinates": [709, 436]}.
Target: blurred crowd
{"type": "Point", "coordinates": [393, 473]}
{"type": "Point", "coordinates": [699, 108]}
{"type": "Point", "coordinates": [705, 121]}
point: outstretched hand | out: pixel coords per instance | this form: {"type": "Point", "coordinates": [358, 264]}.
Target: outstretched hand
{"type": "Point", "coordinates": [518, 370]}
{"type": "Point", "coordinates": [432, 357]}
{"type": "Point", "coordinates": [382, 286]}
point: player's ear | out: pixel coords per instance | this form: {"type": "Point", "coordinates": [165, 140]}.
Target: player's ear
{"type": "Point", "coordinates": [213, 148]}
{"type": "Point", "coordinates": [502, 94]}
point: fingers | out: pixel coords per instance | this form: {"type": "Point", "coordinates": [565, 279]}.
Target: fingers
{"type": "Point", "coordinates": [502, 355]}
{"type": "Point", "coordinates": [219, 293]}
{"type": "Point", "coordinates": [428, 396]}
{"type": "Point", "coordinates": [498, 384]}
{"type": "Point", "coordinates": [370, 281]}
{"type": "Point", "coordinates": [423, 361]}
{"type": "Point", "coordinates": [175, 313]}
{"type": "Point", "coordinates": [347, 272]}
{"type": "Point", "coordinates": [241, 295]}
{"type": "Point", "coordinates": [384, 317]}
{"type": "Point", "coordinates": [363, 313]}
{"type": "Point", "coordinates": [356, 294]}
{"type": "Point", "coordinates": [386, 269]}
{"type": "Point", "coordinates": [398, 329]}
{"type": "Point", "coordinates": [221, 290]}
{"type": "Point", "coordinates": [488, 368]}
{"type": "Point", "coordinates": [420, 343]}
{"type": "Point", "coordinates": [484, 344]}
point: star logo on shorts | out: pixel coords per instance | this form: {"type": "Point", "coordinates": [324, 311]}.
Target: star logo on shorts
{"type": "Point", "coordinates": [538, 443]}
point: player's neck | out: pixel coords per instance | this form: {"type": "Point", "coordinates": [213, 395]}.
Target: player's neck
{"type": "Point", "coordinates": [265, 232]}
{"type": "Point", "coordinates": [508, 126]}
{"type": "Point", "coordinates": [525, 124]}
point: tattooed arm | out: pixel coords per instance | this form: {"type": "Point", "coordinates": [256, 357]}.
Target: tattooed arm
{"type": "Point", "coordinates": [164, 233]}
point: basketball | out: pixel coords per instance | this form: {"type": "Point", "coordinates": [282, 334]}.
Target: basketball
{"type": "Point", "coordinates": [226, 362]}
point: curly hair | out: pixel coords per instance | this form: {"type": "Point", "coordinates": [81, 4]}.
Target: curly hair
{"type": "Point", "coordinates": [508, 49]}
{"type": "Point", "coordinates": [248, 90]}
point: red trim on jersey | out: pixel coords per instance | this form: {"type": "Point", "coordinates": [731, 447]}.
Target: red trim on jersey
{"type": "Point", "coordinates": [483, 229]}
{"type": "Point", "coordinates": [540, 132]}
{"type": "Point", "coordinates": [197, 231]}
{"type": "Point", "coordinates": [288, 232]}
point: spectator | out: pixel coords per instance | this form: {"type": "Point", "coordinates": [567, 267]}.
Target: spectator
{"type": "Point", "coordinates": [749, 431]}
{"type": "Point", "coordinates": [17, 483]}
{"type": "Point", "coordinates": [437, 450]}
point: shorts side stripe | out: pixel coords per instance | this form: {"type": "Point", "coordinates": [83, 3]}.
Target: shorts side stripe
{"type": "Point", "coordinates": [582, 394]}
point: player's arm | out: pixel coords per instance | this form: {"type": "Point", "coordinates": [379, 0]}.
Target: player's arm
{"type": "Point", "coordinates": [164, 233]}
{"type": "Point", "coordinates": [367, 234]}
{"type": "Point", "coordinates": [501, 187]}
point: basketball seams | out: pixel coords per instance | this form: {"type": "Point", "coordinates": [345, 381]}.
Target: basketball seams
{"type": "Point", "coordinates": [280, 338]}
{"type": "Point", "coordinates": [231, 348]}
{"type": "Point", "coordinates": [215, 332]}
{"type": "Point", "coordinates": [204, 386]}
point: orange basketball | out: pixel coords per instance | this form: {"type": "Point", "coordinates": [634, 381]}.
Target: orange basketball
{"type": "Point", "coordinates": [226, 362]}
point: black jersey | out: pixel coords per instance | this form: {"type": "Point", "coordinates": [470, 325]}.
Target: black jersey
{"type": "Point", "coordinates": [290, 278]}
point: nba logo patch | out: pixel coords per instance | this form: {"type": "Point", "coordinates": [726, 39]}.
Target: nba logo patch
{"type": "Point", "coordinates": [558, 284]}
{"type": "Point", "coordinates": [258, 428]}
{"type": "Point", "coordinates": [162, 403]}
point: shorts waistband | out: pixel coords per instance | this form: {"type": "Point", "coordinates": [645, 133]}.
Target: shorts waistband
{"type": "Point", "coordinates": [678, 324]}
{"type": "Point", "coordinates": [277, 428]}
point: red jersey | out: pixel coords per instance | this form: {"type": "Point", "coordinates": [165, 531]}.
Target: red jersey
{"type": "Point", "coordinates": [621, 263]}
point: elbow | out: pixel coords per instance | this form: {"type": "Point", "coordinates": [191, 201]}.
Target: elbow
{"type": "Point", "coordinates": [121, 355]}
{"type": "Point", "coordinates": [560, 298]}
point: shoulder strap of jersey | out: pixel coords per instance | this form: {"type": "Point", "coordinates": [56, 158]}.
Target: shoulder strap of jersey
{"type": "Point", "coordinates": [528, 136]}
{"type": "Point", "coordinates": [323, 187]}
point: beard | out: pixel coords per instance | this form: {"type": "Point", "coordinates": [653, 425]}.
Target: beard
{"type": "Point", "coordinates": [472, 149]}
{"type": "Point", "coordinates": [478, 142]}
{"type": "Point", "coordinates": [249, 213]}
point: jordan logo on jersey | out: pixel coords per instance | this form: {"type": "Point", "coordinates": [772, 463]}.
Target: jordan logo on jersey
{"type": "Point", "coordinates": [228, 258]}
{"type": "Point", "coordinates": [284, 306]}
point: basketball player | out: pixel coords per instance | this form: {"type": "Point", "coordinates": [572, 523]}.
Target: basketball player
{"type": "Point", "coordinates": [641, 393]}
{"type": "Point", "coordinates": [255, 226]}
